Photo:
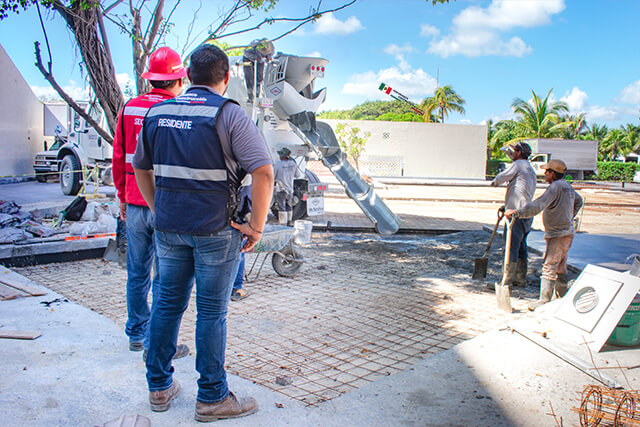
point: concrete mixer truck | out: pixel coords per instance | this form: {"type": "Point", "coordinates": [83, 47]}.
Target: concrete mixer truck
{"type": "Point", "coordinates": [284, 110]}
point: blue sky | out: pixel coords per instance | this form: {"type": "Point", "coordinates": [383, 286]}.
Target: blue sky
{"type": "Point", "coordinates": [489, 51]}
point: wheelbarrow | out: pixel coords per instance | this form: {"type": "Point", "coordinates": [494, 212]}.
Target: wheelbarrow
{"type": "Point", "coordinates": [279, 241]}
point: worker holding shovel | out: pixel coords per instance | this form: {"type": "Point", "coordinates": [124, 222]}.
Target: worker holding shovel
{"type": "Point", "coordinates": [559, 203]}
{"type": "Point", "coordinates": [521, 185]}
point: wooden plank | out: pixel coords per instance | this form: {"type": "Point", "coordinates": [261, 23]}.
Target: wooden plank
{"type": "Point", "coordinates": [19, 335]}
{"type": "Point", "coordinates": [7, 293]}
{"type": "Point", "coordinates": [21, 286]}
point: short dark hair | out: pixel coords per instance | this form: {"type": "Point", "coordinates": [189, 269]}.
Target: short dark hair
{"type": "Point", "coordinates": [162, 84]}
{"type": "Point", "coordinates": [208, 65]}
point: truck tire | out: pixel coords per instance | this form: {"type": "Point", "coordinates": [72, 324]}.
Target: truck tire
{"type": "Point", "coordinates": [300, 208]}
{"type": "Point", "coordinates": [288, 265]}
{"type": "Point", "coordinates": [69, 180]}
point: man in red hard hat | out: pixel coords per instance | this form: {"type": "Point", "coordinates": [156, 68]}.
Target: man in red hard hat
{"type": "Point", "coordinates": [165, 74]}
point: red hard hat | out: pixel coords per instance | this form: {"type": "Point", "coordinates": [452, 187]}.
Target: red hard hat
{"type": "Point", "coordinates": [164, 64]}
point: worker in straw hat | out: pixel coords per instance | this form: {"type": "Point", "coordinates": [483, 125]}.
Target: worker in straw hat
{"type": "Point", "coordinates": [560, 204]}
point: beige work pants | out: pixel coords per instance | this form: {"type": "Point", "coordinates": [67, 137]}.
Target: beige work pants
{"type": "Point", "coordinates": [555, 256]}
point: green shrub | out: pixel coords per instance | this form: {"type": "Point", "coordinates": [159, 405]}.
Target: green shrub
{"type": "Point", "coordinates": [616, 171]}
{"type": "Point", "coordinates": [492, 167]}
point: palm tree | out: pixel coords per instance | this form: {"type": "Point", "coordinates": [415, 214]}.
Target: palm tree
{"type": "Point", "coordinates": [505, 131]}
{"type": "Point", "coordinates": [597, 132]}
{"type": "Point", "coordinates": [444, 100]}
{"type": "Point", "coordinates": [576, 127]}
{"type": "Point", "coordinates": [630, 138]}
{"type": "Point", "coordinates": [541, 119]}
{"type": "Point", "coordinates": [613, 145]}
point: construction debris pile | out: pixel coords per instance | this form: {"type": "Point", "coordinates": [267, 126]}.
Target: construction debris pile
{"type": "Point", "coordinates": [20, 227]}
{"type": "Point", "coordinates": [17, 225]}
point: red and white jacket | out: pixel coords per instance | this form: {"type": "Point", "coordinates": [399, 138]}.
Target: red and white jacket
{"type": "Point", "coordinates": [124, 144]}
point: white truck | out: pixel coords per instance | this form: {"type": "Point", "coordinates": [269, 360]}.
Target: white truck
{"type": "Point", "coordinates": [76, 145]}
{"type": "Point", "coordinates": [580, 155]}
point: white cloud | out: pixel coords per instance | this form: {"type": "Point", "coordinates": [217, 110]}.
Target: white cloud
{"type": "Point", "coordinates": [477, 31]}
{"type": "Point", "coordinates": [598, 113]}
{"type": "Point", "coordinates": [576, 100]}
{"type": "Point", "coordinates": [427, 30]}
{"type": "Point", "coordinates": [399, 53]}
{"type": "Point", "coordinates": [329, 24]}
{"type": "Point", "coordinates": [415, 84]}
{"type": "Point", "coordinates": [314, 54]}
{"type": "Point", "coordinates": [631, 93]}
{"type": "Point", "coordinates": [79, 93]}
{"type": "Point", "coordinates": [74, 90]}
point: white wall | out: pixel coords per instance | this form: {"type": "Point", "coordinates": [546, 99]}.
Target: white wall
{"type": "Point", "coordinates": [427, 149]}
{"type": "Point", "coordinates": [21, 134]}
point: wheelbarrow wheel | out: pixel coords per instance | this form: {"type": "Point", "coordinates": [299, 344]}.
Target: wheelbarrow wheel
{"type": "Point", "coordinates": [288, 263]}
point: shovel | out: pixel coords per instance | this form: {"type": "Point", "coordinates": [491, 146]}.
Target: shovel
{"type": "Point", "coordinates": [502, 289]}
{"type": "Point", "coordinates": [480, 264]}
{"type": "Point", "coordinates": [117, 249]}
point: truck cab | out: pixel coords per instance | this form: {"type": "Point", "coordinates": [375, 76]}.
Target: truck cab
{"type": "Point", "coordinates": [77, 145]}
{"type": "Point", "coordinates": [539, 160]}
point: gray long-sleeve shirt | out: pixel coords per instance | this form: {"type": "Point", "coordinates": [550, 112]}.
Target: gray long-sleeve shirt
{"type": "Point", "coordinates": [560, 203]}
{"type": "Point", "coordinates": [521, 179]}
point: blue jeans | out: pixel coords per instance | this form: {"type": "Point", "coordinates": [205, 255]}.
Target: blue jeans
{"type": "Point", "coordinates": [519, 231]}
{"type": "Point", "coordinates": [212, 261]}
{"type": "Point", "coordinates": [239, 277]}
{"type": "Point", "coordinates": [140, 256]}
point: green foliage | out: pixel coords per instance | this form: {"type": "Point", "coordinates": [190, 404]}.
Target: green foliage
{"type": "Point", "coordinates": [397, 117]}
{"type": "Point", "coordinates": [227, 48]}
{"type": "Point", "coordinates": [492, 167]}
{"type": "Point", "coordinates": [503, 133]}
{"type": "Point", "coordinates": [352, 141]}
{"type": "Point", "coordinates": [373, 110]}
{"type": "Point", "coordinates": [616, 171]}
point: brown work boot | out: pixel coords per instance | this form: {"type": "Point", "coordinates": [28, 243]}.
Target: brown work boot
{"type": "Point", "coordinates": [231, 407]}
{"type": "Point", "coordinates": [161, 400]}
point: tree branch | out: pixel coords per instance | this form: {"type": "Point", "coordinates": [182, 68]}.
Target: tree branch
{"type": "Point", "coordinates": [303, 20]}
{"type": "Point", "coordinates": [49, 77]}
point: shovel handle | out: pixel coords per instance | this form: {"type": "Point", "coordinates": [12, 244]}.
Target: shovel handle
{"type": "Point", "coordinates": [493, 233]}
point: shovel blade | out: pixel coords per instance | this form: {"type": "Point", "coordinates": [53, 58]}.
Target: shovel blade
{"type": "Point", "coordinates": [114, 254]}
{"type": "Point", "coordinates": [480, 268]}
{"type": "Point", "coordinates": [503, 296]}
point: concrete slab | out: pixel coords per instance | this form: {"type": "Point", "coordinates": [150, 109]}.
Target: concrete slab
{"type": "Point", "coordinates": [79, 372]}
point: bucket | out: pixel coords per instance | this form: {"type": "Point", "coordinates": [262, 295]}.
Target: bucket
{"type": "Point", "coordinates": [302, 231]}
{"type": "Point", "coordinates": [627, 333]}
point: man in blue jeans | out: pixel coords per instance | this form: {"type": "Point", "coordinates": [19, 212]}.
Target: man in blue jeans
{"type": "Point", "coordinates": [521, 185]}
{"type": "Point", "coordinates": [193, 152]}
{"type": "Point", "coordinates": [165, 73]}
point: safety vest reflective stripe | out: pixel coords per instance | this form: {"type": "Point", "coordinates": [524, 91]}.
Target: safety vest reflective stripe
{"type": "Point", "coordinates": [135, 111]}
{"type": "Point", "coordinates": [128, 158]}
{"type": "Point", "coordinates": [182, 172]}
{"type": "Point", "coordinates": [173, 109]}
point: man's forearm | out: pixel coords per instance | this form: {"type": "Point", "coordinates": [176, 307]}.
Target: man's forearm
{"type": "Point", "coordinates": [146, 185]}
{"type": "Point", "coordinates": [261, 193]}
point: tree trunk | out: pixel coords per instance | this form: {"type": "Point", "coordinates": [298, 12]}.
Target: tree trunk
{"type": "Point", "coordinates": [83, 22]}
